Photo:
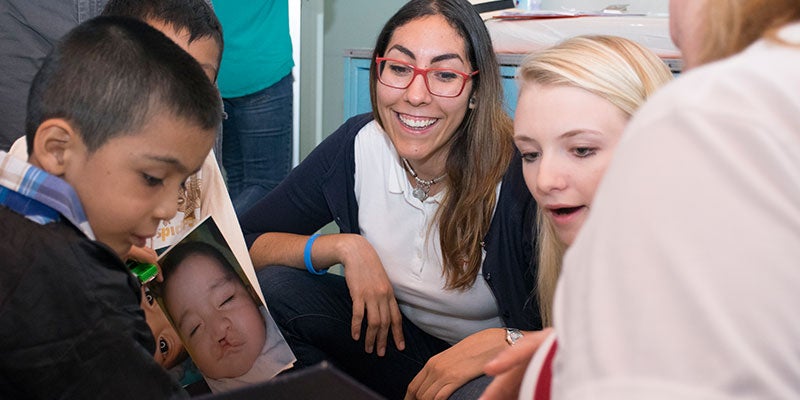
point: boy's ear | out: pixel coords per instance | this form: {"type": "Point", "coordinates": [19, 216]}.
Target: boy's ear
{"type": "Point", "coordinates": [52, 146]}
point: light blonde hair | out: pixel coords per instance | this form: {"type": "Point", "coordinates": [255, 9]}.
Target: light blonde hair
{"type": "Point", "coordinates": [729, 26]}
{"type": "Point", "coordinates": [614, 68]}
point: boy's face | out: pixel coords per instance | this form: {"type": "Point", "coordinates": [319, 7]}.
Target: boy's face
{"type": "Point", "coordinates": [132, 182]}
{"type": "Point", "coordinates": [205, 50]}
{"type": "Point", "coordinates": [223, 329]}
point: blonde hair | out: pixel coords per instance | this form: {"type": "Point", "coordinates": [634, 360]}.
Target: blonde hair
{"type": "Point", "coordinates": [729, 26]}
{"type": "Point", "coordinates": [614, 68]}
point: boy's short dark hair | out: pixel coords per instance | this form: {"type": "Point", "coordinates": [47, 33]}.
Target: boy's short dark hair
{"type": "Point", "coordinates": [110, 75]}
{"type": "Point", "coordinates": [195, 16]}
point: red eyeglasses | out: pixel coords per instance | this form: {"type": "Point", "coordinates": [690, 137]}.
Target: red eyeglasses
{"type": "Point", "coordinates": [442, 82]}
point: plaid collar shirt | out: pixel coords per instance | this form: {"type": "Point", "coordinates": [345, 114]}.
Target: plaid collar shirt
{"type": "Point", "coordinates": [38, 195]}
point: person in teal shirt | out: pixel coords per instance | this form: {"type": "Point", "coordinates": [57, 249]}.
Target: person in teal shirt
{"type": "Point", "coordinates": [255, 80]}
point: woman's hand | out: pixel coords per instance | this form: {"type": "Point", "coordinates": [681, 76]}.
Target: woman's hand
{"type": "Point", "coordinates": [509, 367]}
{"type": "Point", "coordinates": [447, 371]}
{"type": "Point", "coordinates": [372, 294]}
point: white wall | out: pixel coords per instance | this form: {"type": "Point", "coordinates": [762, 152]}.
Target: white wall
{"type": "Point", "coordinates": [639, 6]}
{"type": "Point", "coordinates": [294, 32]}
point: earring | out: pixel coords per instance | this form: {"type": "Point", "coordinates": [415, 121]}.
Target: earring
{"type": "Point", "coordinates": [472, 102]}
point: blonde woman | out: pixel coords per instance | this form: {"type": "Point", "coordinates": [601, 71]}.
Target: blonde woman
{"type": "Point", "coordinates": [575, 100]}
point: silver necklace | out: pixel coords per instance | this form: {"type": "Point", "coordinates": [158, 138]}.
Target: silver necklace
{"type": "Point", "coordinates": [423, 186]}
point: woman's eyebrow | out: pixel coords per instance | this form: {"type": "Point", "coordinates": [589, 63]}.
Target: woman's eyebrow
{"type": "Point", "coordinates": [448, 56]}
{"type": "Point", "coordinates": [403, 50]}
{"type": "Point", "coordinates": [410, 54]}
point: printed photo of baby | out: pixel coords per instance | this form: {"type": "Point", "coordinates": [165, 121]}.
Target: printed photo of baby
{"type": "Point", "coordinates": [223, 324]}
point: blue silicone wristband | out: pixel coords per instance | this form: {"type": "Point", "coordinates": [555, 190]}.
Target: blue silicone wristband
{"type": "Point", "coordinates": [307, 256]}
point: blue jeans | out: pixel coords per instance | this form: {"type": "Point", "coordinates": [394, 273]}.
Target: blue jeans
{"type": "Point", "coordinates": [314, 314]}
{"type": "Point", "coordinates": [257, 142]}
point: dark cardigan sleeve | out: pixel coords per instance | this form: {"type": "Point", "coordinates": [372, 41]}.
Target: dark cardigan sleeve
{"type": "Point", "coordinates": [509, 267]}
{"type": "Point", "coordinates": [300, 204]}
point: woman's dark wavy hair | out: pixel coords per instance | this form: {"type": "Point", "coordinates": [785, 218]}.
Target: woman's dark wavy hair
{"type": "Point", "coordinates": [111, 75]}
{"type": "Point", "coordinates": [481, 148]}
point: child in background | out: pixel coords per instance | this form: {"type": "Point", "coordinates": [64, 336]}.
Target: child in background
{"type": "Point", "coordinates": [222, 323]}
{"type": "Point", "coordinates": [118, 118]}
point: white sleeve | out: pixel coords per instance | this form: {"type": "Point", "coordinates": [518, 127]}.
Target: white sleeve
{"type": "Point", "coordinates": [685, 280]}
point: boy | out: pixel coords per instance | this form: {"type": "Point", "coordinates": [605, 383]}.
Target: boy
{"type": "Point", "coordinates": [118, 117]}
{"type": "Point", "coordinates": [192, 25]}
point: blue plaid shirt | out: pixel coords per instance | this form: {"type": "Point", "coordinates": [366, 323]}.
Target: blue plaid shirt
{"type": "Point", "coordinates": [38, 195]}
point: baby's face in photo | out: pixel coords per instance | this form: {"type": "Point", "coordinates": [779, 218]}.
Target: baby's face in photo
{"type": "Point", "coordinates": [221, 324]}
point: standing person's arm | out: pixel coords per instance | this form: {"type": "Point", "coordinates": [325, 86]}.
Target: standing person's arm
{"type": "Point", "coordinates": [683, 281]}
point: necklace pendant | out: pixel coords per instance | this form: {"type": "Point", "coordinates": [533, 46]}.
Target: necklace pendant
{"type": "Point", "coordinates": [419, 193]}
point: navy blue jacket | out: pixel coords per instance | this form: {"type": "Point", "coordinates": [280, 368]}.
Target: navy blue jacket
{"type": "Point", "coordinates": [70, 322]}
{"type": "Point", "coordinates": [321, 190]}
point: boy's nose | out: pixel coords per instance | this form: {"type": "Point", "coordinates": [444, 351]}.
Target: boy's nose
{"type": "Point", "coordinates": [167, 206]}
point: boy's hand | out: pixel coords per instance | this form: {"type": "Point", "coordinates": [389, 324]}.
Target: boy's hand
{"type": "Point", "coordinates": [145, 255]}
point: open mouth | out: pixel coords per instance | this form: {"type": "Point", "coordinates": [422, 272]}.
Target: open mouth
{"type": "Point", "coordinates": [566, 210]}
{"type": "Point", "coordinates": [416, 122]}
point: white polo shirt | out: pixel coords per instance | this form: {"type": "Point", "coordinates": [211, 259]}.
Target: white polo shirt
{"type": "Point", "coordinates": [400, 229]}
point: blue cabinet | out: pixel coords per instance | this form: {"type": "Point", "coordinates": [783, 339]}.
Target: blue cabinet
{"type": "Point", "coordinates": [356, 81]}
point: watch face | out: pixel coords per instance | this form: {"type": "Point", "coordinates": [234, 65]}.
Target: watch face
{"type": "Point", "coordinates": [512, 335]}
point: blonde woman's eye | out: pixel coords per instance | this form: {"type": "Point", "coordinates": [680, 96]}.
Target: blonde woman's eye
{"type": "Point", "coordinates": [530, 157]}
{"type": "Point", "coordinates": [584, 151]}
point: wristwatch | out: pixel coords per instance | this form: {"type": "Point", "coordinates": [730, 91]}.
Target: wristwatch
{"type": "Point", "coordinates": [512, 335]}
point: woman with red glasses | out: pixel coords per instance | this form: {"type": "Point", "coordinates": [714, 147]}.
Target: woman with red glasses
{"type": "Point", "coordinates": [434, 215]}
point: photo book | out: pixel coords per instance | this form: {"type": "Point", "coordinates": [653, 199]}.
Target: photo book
{"type": "Point", "coordinates": [217, 313]}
